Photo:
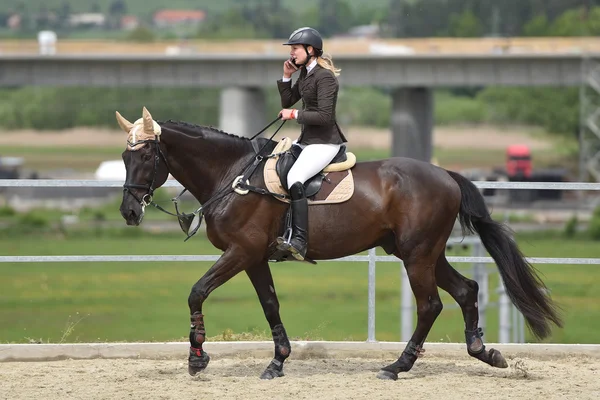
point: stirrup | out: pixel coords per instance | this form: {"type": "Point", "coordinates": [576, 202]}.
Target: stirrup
{"type": "Point", "coordinates": [291, 250]}
{"type": "Point", "coordinates": [286, 238]}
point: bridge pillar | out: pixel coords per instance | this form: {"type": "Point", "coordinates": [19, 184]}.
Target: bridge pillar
{"type": "Point", "coordinates": [242, 110]}
{"type": "Point", "coordinates": [412, 123]}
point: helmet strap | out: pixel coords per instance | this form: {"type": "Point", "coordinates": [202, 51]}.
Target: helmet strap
{"type": "Point", "coordinates": [308, 56]}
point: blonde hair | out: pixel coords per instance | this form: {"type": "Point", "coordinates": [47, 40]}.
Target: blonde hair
{"type": "Point", "coordinates": [325, 61]}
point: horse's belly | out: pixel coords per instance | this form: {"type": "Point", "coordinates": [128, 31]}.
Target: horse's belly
{"type": "Point", "coordinates": [339, 237]}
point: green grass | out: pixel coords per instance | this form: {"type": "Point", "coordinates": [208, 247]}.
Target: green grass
{"type": "Point", "coordinates": [90, 302]}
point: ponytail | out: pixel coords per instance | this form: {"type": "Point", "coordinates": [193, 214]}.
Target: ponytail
{"type": "Point", "coordinates": [326, 62]}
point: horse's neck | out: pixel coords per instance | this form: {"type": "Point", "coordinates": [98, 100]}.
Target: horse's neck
{"type": "Point", "coordinates": [203, 166]}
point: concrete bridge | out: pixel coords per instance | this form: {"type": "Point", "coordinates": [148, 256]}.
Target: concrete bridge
{"type": "Point", "coordinates": [410, 79]}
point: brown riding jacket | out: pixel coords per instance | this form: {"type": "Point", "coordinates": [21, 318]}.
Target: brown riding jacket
{"type": "Point", "coordinates": [318, 91]}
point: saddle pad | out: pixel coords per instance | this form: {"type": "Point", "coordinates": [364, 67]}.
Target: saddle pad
{"type": "Point", "coordinates": [339, 189]}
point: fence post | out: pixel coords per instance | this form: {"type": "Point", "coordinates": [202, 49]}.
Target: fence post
{"type": "Point", "coordinates": [515, 324]}
{"type": "Point", "coordinates": [480, 275]}
{"type": "Point", "coordinates": [504, 306]}
{"type": "Point", "coordinates": [371, 305]}
{"type": "Point", "coordinates": [406, 307]}
{"type": "Point", "coordinates": [521, 328]}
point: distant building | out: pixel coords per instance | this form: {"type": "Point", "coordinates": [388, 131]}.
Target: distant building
{"type": "Point", "coordinates": [174, 18]}
{"type": "Point", "coordinates": [87, 20]}
{"type": "Point", "coordinates": [129, 22]}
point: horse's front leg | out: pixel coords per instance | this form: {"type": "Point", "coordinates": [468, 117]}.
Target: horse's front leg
{"type": "Point", "coordinates": [262, 280]}
{"type": "Point", "coordinates": [231, 262]}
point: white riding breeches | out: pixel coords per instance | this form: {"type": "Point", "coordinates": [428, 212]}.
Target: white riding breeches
{"type": "Point", "coordinates": [312, 160]}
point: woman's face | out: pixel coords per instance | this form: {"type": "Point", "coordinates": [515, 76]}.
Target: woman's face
{"type": "Point", "coordinates": [297, 53]}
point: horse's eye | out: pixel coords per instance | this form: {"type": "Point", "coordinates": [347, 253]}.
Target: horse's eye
{"type": "Point", "coordinates": [146, 157]}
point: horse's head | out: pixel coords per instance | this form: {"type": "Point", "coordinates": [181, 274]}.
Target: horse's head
{"type": "Point", "coordinates": [145, 165]}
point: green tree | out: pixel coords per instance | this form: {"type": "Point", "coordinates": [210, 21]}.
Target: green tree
{"type": "Point", "coordinates": [396, 19]}
{"type": "Point", "coordinates": [538, 26]}
{"type": "Point", "coordinates": [570, 23]}
{"type": "Point", "coordinates": [62, 14]}
{"type": "Point", "coordinates": [116, 10]}
{"type": "Point", "coordinates": [465, 24]}
{"type": "Point", "coordinates": [335, 16]}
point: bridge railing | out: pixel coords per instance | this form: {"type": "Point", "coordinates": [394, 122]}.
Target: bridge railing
{"type": "Point", "coordinates": [510, 321]}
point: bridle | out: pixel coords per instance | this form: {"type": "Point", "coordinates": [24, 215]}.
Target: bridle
{"type": "Point", "coordinates": [146, 199]}
{"type": "Point", "coordinates": [239, 184]}
{"type": "Point", "coordinates": [185, 220]}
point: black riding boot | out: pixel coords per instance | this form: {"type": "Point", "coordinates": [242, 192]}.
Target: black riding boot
{"type": "Point", "coordinates": [299, 240]}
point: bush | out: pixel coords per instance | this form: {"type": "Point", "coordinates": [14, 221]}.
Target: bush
{"type": "Point", "coordinates": [571, 227]}
{"type": "Point", "coordinates": [451, 109]}
{"type": "Point", "coordinates": [7, 211]}
{"type": "Point", "coordinates": [554, 109]}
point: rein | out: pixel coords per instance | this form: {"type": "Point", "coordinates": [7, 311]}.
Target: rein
{"type": "Point", "coordinates": [239, 184]}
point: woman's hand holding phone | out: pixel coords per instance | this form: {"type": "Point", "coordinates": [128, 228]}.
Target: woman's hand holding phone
{"type": "Point", "coordinates": [289, 68]}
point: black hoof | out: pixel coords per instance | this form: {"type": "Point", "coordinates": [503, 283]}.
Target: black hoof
{"type": "Point", "coordinates": [497, 359]}
{"type": "Point", "coordinates": [387, 375]}
{"type": "Point", "coordinates": [271, 374]}
{"type": "Point", "coordinates": [197, 363]}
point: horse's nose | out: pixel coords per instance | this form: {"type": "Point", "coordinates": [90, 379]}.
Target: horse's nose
{"type": "Point", "coordinates": [130, 216]}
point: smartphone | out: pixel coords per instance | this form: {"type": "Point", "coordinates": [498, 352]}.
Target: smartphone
{"type": "Point", "coordinates": [293, 62]}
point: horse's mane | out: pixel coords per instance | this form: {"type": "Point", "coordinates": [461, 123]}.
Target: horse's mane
{"type": "Point", "coordinates": [201, 129]}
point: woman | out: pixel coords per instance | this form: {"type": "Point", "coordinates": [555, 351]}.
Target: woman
{"type": "Point", "coordinates": [321, 137]}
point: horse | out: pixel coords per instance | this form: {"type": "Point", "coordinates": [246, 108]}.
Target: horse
{"type": "Point", "coordinates": [405, 206]}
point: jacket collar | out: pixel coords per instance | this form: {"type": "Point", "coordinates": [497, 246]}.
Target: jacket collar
{"type": "Point", "coordinates": [312, 72]}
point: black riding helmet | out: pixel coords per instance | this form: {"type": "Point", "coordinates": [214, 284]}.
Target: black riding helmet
{"type": "Point", "coordinates": [307, 37]}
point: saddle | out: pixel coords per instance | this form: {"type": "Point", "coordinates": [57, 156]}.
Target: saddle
{"type": "Point", "coordinates": [334, 184]}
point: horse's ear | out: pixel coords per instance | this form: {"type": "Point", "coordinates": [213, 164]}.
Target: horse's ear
{"type": "Point", "coordinates": [123, 123]}
{"type": "Point", "coordinates": [148, 122]}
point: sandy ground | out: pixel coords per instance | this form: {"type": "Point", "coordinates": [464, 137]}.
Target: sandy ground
{"type": "Point", "coordinates": [432, 377]}
{"type": "Point", "coordinates": [476, 137]}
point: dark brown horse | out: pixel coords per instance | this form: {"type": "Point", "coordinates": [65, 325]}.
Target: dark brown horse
{"type": "Point", "coordinates": [405, 206]}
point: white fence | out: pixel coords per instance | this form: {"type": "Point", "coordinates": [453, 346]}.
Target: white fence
{"type": "Point", "coordinates": [511, 325]}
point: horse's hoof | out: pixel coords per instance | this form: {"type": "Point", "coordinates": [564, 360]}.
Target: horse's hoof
{"type": "Point", "coordinates": [497, 359]}
{"type": "Point", "coordinates": [197, 363]}
{"type": "Point", "coordinates": [387, 375]}
{"type": "Point", "coordinates": [271, 373]}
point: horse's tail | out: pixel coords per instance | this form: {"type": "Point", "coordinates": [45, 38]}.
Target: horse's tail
{"type": "Point", "coordinates": [526, 290]}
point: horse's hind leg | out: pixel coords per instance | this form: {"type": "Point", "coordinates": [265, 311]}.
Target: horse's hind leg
{"type": "Point", "coordinates": [421, 274]}
{"type": "Point", "coordinates": [465, 292]}
{"type": "Point", "coordinates": [262, 280]}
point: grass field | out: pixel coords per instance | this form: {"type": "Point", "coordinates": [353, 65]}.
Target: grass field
{"type": "Point", "coordinates": [91, 302]}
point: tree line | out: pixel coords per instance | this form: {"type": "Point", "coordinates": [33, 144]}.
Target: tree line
{"type": "Point", "coordinates": [420, 18]}
{"type": "Point", "coordinates": [395, 18]}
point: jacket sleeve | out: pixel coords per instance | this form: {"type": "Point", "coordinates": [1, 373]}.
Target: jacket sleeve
{"type": "Point", "coordinates": [327, 88]}
{"type": "Point", "coordinates": [289, 94]}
